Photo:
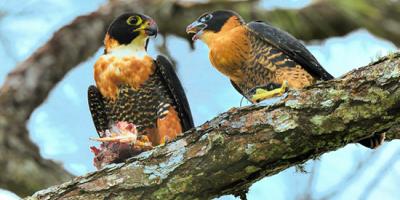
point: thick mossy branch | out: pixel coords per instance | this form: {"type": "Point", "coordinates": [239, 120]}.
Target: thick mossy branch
{"type": "Point", "coordinates": [28, 85]}
{"type": "Point", "coordinates": [229, 153]}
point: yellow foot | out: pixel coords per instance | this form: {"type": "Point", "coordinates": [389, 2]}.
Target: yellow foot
{"type": "Point", "coordinates": [142, 143]}
{"type": "Point", "coordinates": [164, 140]}
{"type": "Point", "coordinates": [262, 94]}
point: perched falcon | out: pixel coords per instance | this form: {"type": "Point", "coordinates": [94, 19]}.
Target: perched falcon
{"type": "Point", "coordinates": [260, 60]}
{"type": "Point", "coordinates": [135, 91]}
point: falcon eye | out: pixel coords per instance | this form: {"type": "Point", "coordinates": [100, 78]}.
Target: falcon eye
{"type": "Point", "coordinates": [134, 20]}
{"type": "Point", "coordinates": [206, 18]}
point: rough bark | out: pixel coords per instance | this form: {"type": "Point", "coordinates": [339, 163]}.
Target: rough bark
{"type": "Point", "coordinates": [235, 149]}
{"type": "Point", "coordinates": [27, 86]}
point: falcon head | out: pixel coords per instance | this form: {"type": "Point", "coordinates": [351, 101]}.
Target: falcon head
{"type": "Point", "coordinates": [211, 23]}
{"type": "Point", "coordinates": [130, 29]}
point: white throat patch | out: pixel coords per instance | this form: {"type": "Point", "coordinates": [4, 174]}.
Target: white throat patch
{"type": "Point", "coordinates": [130, 50]}
{"type": "Point", "coordinates": [134, 49]}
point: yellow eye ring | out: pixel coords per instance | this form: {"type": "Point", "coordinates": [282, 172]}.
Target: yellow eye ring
{"type": "Point", "coordinates": [134, 20]}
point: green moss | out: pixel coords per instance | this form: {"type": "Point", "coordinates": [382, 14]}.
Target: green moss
{"type": "Point", "coordinates": [250, 148]}
{"type": "Point", "coordinates": [273, 151]}
{"type": "Point", "coordinates": [378, 102]}
{"type": "Point", "coordinates": [335, 94]}
{"type": "Point", "coordinates": [293, 103]}
{"type": "Point", "coordinates": [251, 169]}
{"type": "Point", "coordinates": [161, 193]}
{"type": "Point", "coordinates": [328, 103]}
{"type": "Point", "coordinates": [318, 120]}
{"type": "Point", "coordinates": [217, 138]}
{"type": "Point", "coordinates": [327, 124]}
{"type": "Point", "coordinates": [180, 184]}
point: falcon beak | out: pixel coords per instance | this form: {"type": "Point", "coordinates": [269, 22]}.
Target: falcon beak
{"type": "Point", "coordinates": [151, 29]}
{"type": "Point", "coordinates": [197, 28]}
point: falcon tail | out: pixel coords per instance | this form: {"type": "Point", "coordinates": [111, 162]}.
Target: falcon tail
{"type": "Point", "coordinates": [374, 141]}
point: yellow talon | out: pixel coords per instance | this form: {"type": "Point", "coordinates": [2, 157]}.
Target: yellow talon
{"type": "Point", "coordinates": [262, 94]}
{"type": "Point", "coordinates": [260, 91]}
{"type": "Point", "coordinates": [164, 140]}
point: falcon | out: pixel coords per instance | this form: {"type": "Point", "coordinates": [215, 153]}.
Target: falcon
{"type": "Point", "coordinates": [135, 93]}
{"type": "Point", "coordinates": [260, 60]}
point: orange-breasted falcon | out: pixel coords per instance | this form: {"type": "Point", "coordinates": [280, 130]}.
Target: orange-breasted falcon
{"type": "Point", "coordinates": [132, 87]}
{"type": "Point", "coordinates": [260, 60]}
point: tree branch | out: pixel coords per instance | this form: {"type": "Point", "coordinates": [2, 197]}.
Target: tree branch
{"type": "Point", "coordinates": [28, 85]}
{"type": "Point", "coordinates": [229, 153]}
{"type": "Point", "coordinates": [328, 18]}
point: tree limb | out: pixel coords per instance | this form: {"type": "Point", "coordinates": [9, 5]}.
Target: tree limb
{"type": "Point", "coordinates": [28, 85]}
{"type": "Point", "coordinates": [229, 153]}
{"type": "Point", "coordinates": [328, 18]}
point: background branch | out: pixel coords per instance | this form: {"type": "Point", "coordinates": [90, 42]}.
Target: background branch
{"type": "Point", "coordinates": [237, 148]}
{"type": "Point", "coordinates": [328, 18]}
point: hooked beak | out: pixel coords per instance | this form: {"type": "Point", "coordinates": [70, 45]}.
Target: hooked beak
{"type": "Point", "coordinates": [151, 29]}
{"type": "Point", "coordinates": [197, 28]}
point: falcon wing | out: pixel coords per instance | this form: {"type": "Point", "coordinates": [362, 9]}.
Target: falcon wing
{"type": "Point", "coordinates": [290, 46]}
{"type": "Point", "coordinates": [97, 109]}
{"type": "Point", "coordinates": [175, 88]}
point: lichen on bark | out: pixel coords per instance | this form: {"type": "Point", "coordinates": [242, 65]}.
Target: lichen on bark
{"type": "Point", "coordinates": [235, 149]}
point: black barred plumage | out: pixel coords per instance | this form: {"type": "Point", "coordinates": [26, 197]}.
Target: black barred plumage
{"type": "Point", "coordinates": [260, 60]}
{"type": "Point", "coordinates": [144, 106]}
{"type": "Point", "coordinates": [139, 107]}
{"type": "Point", "coordinates": [267, 58]}
{"type": "Point", "coordinates": [286, 44]}
{"type": "Point", "coordinates": [134, 90]}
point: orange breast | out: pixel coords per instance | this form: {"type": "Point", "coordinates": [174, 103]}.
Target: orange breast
{"type": "Point", "coordinates": [229, 52]}
{"type": "Point", "coordinates": [111, 71]}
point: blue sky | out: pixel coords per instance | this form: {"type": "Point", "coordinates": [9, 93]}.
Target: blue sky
{"type": "Point", "coordinates": [62, 125]}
